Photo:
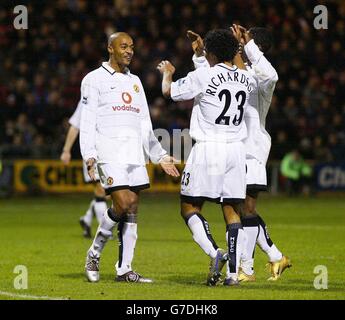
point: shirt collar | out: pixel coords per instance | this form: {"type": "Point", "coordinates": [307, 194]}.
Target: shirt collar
{"type": "Point", "coordinates": [107, 67]}
{"type": "Point", "coordinates": [223, 65]}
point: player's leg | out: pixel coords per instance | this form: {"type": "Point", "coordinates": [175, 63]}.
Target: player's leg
{"type": "Point", "coordinates": [198, 185]}
{"type": "Point", "coordinates": [233, 195]}
{"type": "Point", "coordinates": [127, 204]}
{"type": "Point", "coordinates": [251, 228]}
{"type": "Point", "coordinates": [255, 227]}
{"type": "Point", "coordinates": [199, 227]}
{"type": "Point", "coordinates": [235, 238]}
{"type": "Point", "coordinates": [127, 228]}
{"type": "Point", "coordinates": [111, 217]}
{"type": "Point", "coordinates": [277, 261]}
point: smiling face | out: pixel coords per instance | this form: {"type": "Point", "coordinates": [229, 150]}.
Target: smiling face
{"type": "Point", "coordinates": [121, 48]}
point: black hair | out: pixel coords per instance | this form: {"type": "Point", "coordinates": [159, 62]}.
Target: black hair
{"type": "Point", "coordinates": [222, 44]}
{"type": "Point", "coordinates": [262, 37]}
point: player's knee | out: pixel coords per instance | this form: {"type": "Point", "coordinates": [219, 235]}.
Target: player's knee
{"type": "Point", "coordinates": [122, 207]}
{"type": "Point", "coordinates": [128, 205]}
{"type": "Point", "coordinates": [249, 207]}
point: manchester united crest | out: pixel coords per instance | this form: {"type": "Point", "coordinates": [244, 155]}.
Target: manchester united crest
{"type": "Point", "coordinates": [110, 181]}
{"type": "Point", "coordinates": [136, 88]}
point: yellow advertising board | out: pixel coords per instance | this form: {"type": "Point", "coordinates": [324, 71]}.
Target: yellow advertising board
{"type": "Point", "coordinates": [54, 177]}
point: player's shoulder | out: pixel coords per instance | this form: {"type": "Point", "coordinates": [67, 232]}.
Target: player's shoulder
{"type": "Point", "coordinates": [200, 73]}
{"type": "Point", "coordinates": [92, 76]}
{"type": "Point", "coordinates": [248, 74]}
{"type": "Point", "coordinates": [134, 77]}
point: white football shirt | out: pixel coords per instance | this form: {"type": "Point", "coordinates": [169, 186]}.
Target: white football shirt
{"type": "Point", "coordinates": [258, 141]}
{"type": "Point", "coordinates": [115, 120]}
{"type": "Point", "coordinates": [221, 96]}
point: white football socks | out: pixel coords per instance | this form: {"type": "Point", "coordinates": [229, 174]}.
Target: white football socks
{"type": "Point", "coordinates": [127, 237]}
{"type": "Point", "coordinates": [202, 235]}
{"type": "Point", "coordinates": [247, 260]}
{"type": "Point", "coordinates": [104, 232]}
{"type": "Point", "coordinates": [264, 242]}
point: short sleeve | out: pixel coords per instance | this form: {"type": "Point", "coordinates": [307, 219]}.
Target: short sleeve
{"type": "Point", "coordinates": [186, 88]}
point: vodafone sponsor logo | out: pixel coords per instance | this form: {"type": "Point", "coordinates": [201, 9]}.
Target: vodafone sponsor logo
{"type": "Point", "coordinates": [126, 108]}
{"type": "Point", "coordinates": [127, 99]}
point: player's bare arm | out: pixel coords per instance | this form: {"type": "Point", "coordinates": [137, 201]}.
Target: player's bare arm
{"type": "Point", "coordinates": [238, 61]}
{"type": "Point", "coordinates": [246, 37]}
{"type": "Point", "coordinates": [72, 135]}
{"type": "Point", "coordinates": [167, 70]}
{"type": "Point", "coordinates": [197, 43]}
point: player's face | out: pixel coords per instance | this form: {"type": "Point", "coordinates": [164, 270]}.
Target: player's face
{"type": "Point", "coordinates": [123, 50]}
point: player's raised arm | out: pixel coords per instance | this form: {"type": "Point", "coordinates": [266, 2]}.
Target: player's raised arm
{"type": "Point", "coordinates": [185, 88]}
{"type": "Point", "coordinates": [238, 61]}
{"type": "Point", "coordinates": [89, 96]}
{"type": "Point", "coordinates": [167, 70]}
{"type": "Point", "coordinates": [197, 43]}
{"type": "Point", "coordinates": [257, 42]}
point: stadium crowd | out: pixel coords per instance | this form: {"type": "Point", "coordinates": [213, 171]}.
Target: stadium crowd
{"type": "Point", "coordinates": [41, 68]}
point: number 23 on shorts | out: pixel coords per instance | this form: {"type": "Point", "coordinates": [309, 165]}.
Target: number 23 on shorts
{"type": "Point", "coordinates": [185, 179]}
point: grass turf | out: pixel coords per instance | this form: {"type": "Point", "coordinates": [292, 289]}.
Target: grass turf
{"type": "Point", "coordinates": [43, 234]}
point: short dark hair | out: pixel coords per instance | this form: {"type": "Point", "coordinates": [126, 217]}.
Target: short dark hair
{"type": "Point", "coordinates": [262, 37]}
{"type": "Point", "coordinates": [221, 43]}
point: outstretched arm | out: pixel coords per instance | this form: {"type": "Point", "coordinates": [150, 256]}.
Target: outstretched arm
{"type": "Point", "coordinates": [151, 145]}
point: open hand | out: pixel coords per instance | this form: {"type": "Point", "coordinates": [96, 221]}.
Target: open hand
{"type": "Point", "coordinates": [167, 164]}
{"type": "Point", "coordinates": [197, 43]}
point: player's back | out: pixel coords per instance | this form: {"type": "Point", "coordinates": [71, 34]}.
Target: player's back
{"type": "Point", "coordinates": [219, 109]}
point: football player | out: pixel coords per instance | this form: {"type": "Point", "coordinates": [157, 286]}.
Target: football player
{"type": "Point", "coordinates": [116, 135]}
{"type": "Point", "coordinates": [215, 169]}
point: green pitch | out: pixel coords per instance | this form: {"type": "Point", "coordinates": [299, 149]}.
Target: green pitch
{"type": "Point", "coordinates": [43, 234]}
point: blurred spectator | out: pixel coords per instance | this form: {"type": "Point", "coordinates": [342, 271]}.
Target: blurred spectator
{"type": "Point", "coordinates": [297, 172]}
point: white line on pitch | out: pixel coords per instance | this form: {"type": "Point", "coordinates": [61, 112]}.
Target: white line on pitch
{"type": "Point", "coordinates": [27, 296]}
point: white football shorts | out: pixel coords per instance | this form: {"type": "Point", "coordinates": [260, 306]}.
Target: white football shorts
{"type": "Point", "coordinates": [115, 177]}
{"type": "Point", "coordinates": [256, 176]}
{"type": "Point", "coordinates": [216, 172]}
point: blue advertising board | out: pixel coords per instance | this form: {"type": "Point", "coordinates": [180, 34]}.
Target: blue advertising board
{"type": "Point", "coordinates": [330, 176]}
